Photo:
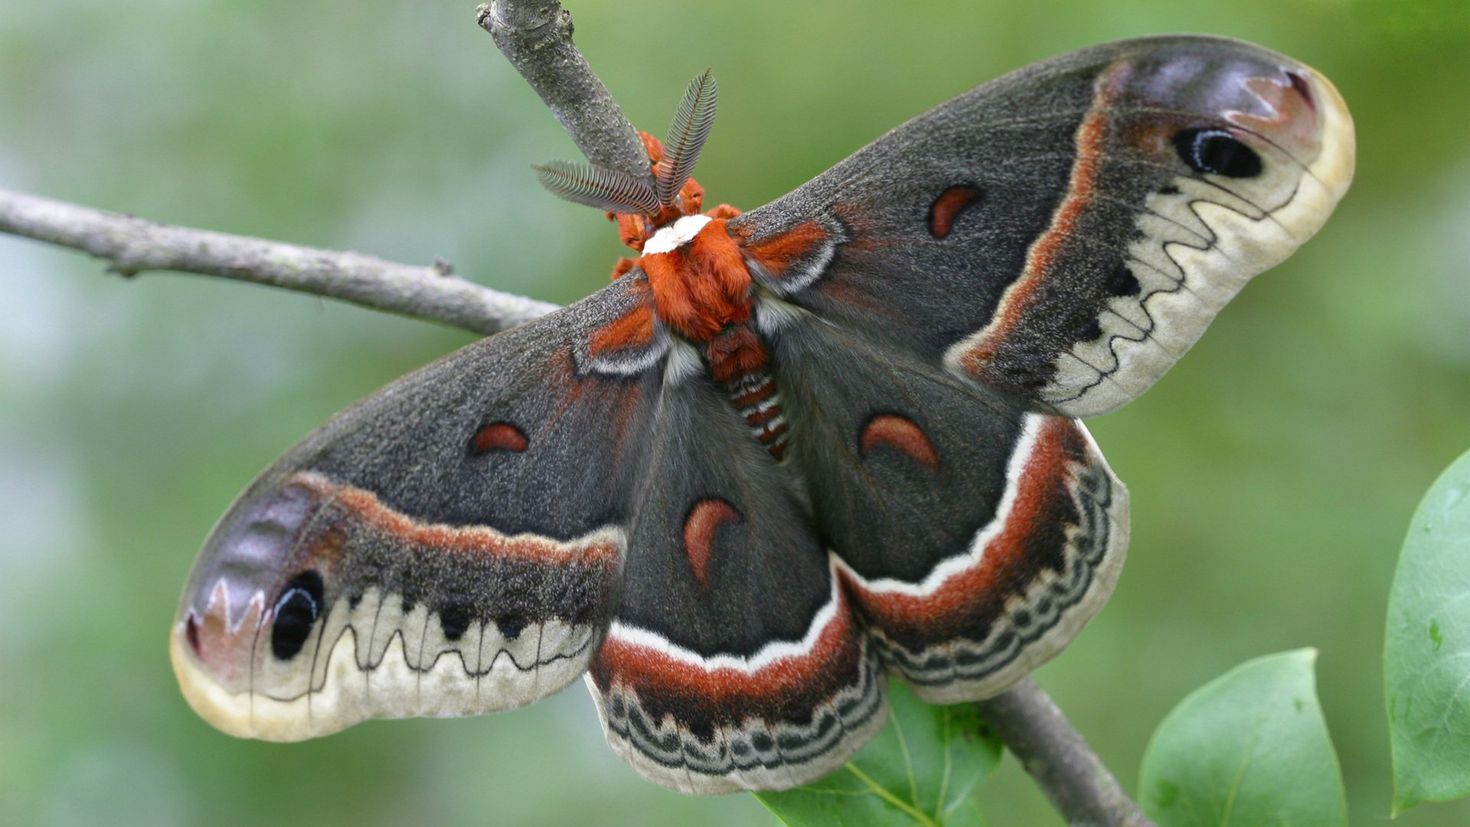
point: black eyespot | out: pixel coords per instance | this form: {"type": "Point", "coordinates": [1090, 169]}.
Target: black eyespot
{"type": "Point", "coordinates": [511, 625]}
{"type": "Point", "coordinates": [1122, 282]}
{"type": "Point", "coordinates": [454, 620]}
{"type": "Point", "coordinates": [1217, 152]}
{"type": "Point", "coordinates": [297, 609]}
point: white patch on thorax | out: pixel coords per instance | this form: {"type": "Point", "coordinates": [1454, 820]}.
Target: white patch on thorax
{"type": "Point", "coordinates": [673, 236]}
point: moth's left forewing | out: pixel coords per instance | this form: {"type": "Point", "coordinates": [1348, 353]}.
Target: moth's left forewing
{"type": "Point", "coordinates": [451, 545]}
{"type": "Point", "coordinates": [1063, 234]}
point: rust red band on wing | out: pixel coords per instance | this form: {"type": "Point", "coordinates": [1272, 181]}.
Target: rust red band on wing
{"type": "Point", "coordinates": [975, 595]}
{"type": "Point", "coordinates": [668, 684]}
{"type": "Point", "coordinates": [1091, 141]}
{"type": "Point", "coordinates": [600, 548]}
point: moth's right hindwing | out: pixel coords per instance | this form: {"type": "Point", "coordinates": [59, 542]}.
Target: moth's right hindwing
{"type": "Point", "coordinates": [975, 539]}
{"type": "Point", "coordinates": [451, 545]}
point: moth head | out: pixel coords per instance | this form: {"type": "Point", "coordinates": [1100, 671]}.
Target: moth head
{"type": "Point", "coordinates": [1239, 127]}
{"type": "Point", "coordinates": [253, 606]}
{"type": "Point", "coordinates": [668, 192]}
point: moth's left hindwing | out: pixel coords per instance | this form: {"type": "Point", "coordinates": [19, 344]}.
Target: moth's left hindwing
{"type": "Point", "coordinates": [451, 545]}
{"type": "Point", "coordinates": [736, 659]}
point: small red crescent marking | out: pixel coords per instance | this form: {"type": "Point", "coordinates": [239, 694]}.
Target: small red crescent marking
{"type": "Point", "coordinates": [948, 206]}
{"type": "Point", "coordinates": [903, 436]}
{"type": "Point", "coordinates": [704, 518]}
{"type": "Point", "coordinates": [499, 436]}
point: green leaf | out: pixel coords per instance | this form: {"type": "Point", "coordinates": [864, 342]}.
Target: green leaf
{"type": "Point", "coordinates": [1426, 654]}
{"type": "Point", "coordinates": [919, 769]}
{"type": "Point", "coordinates": [1250, 749]}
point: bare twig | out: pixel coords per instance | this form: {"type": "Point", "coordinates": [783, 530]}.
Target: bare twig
{"type": "Point", "coordinates": [535, 36]}
{"type": "Point", "coordinates": [1066, 769]}
{"type": "Point", "coordinates": [134, 245]}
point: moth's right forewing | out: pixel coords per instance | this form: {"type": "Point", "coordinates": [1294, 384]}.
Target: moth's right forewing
{"type": "Point", "coordinates": [1063, 234]}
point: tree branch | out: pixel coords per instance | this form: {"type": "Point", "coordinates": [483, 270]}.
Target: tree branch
{"type": "Point", "coordinates": [535, 35]}
{"type": "Point", "coordinates": [1067, 770]}
{"type": "Point", "coordinates": [133, 245]}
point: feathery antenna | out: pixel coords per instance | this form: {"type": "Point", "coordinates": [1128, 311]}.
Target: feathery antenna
{"type": "Point", "coordinates": [598, 187]}
{"type": "Point", "coordinates": [686, 137]}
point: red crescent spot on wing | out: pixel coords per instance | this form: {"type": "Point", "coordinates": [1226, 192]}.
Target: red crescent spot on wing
{"type": "Point", "coordinates": [902, 435]}
{"type": "Point", "coordinates": [600, 549]}
{"type": "Point", "coordinates": [499, 436]}
{"type": "Point", "coordinates": [775, 254]}
{"type": "Point", "coordinates": [976, 591]}
{"type": "Point", "coordinates": [704, 518]}
{"type": "Point", "coordinates": [1091, 140]}
{"type": "Point", "coordinates": [948, 206]}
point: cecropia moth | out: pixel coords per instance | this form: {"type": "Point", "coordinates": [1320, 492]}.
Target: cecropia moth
{"type": "Point", "coordinates": [784, 451]}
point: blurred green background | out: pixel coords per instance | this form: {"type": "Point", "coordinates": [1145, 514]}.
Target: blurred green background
{"type": "Point", "coordinates": [1273, 472]}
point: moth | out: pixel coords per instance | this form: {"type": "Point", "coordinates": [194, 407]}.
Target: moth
{"type": "Point", "coordinates": [785, 452]}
